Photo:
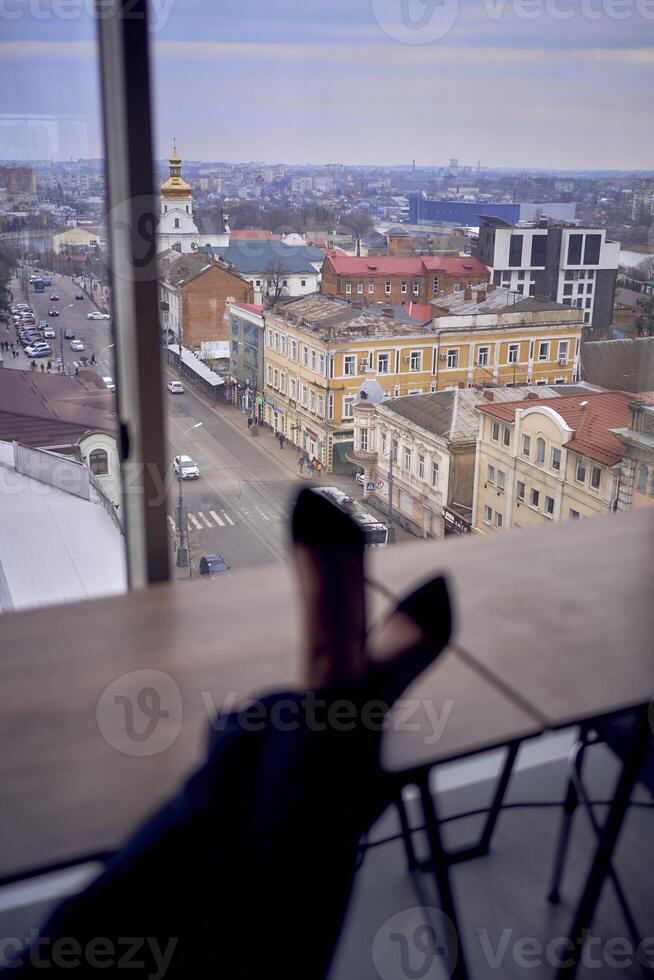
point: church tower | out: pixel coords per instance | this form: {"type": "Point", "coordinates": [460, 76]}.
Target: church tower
{"type": "Point", "coordinates": [177, 229]}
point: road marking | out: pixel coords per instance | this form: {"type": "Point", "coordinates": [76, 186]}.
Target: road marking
{"type": "Point", "coordinates": [195, 522]}
{"type": "Point", "coordinates": [217, 519]}
{"type": "Point", "coordinates": [207, 522]}
{"type": "Point", "coordinates": [262, 513]}
{"type": "Point", "coordinates": [228, 518]}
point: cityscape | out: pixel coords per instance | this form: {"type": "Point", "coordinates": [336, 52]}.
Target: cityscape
{"type": "Point", "coordinates": [327, 488]}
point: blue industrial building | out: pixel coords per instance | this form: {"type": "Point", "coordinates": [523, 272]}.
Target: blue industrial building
{"type": "Point", "coordinates": [425, 212]}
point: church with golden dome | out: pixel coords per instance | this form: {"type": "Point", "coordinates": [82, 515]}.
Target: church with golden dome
{"type": "Point", "coordinates": [177, 228]}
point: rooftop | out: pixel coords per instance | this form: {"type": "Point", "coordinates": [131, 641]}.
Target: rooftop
{"type": "Point", "coordinates": [407, 265]}
{"type": "Point", "coordinates": [251, 257]}
{"type": "Point", "coordinates": [619, 363]}
{"type": "Point", "coordinates": [56, 545]}
{"type": "Point", "coordinates": [454, 413]}
{"type": "Point", "coordinates": [488, 298]}
{"type": "Point", "coordinates": [335, 320]}
{"type": "Point", "coordinates": [36, 409]}
{"type": "Point", "coordinates": [591, 416]}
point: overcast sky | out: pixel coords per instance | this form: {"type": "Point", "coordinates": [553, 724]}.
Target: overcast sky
{"type": "Point", "coordinates": [507, 82]}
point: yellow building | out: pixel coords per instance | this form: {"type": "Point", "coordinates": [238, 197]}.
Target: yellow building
{"type": "Point", "coordinates": [549, 460]}
{"type": "Point", "coordinates": [319, 350]}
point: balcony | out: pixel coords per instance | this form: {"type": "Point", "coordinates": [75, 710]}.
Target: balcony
{"type": "Point", "coordinates": [72, 788]}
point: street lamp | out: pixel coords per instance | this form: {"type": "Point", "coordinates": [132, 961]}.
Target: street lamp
{"type": "Point", "coordinates": [108, 347]}
{"type": "Point", "coordinates": [182, 549]}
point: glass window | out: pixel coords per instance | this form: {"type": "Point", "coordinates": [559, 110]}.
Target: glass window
{"type": "Point", "coordinates": [540, 450]}
{"type": "Point", "coordinates": [490, 474]}
{"type": "Point", "coordinates": [482, 357]}
{"type": "Point", "coordinates": [99, 462]}
{"type": "Point", "coordinates": [514, 350]}
{"type": "Point", "coordinates": [574, 515]}
{"type": "Point", "coordinates": [535, 498]}
{"type": "Point", "coordinates": [407, 458]}
{"type": "Point", "coordinates": [498, 519]}
{"type": "Point", "coordinates": [488, 515]}
{"type": "Point", "coordinates": [556, 459]}
{"type": "Point", "coordinates": [506, 435]}
{"type": "Point", "coordinates": [348, 406]}
{"type": "Point", "coordinates": [495, 431]}
{"type": "Point", "coordinates": [421, 467]}
{"type": "Point", "coordinates": [452, 358]}
{"type": "Point", "coordinates": [595, 477]}
{"type": "Point", "coordinates": [574, 249]}
{"type": "Point", "coordinates": [580, 471]}
{"type": "Point", "coordinates": [592, 248]}
{"type": "Point", "coordinates": [543, 351]}
{"type": "Point", "coordinates": [501, 479]}
{"type": "Point", "coordinates": [415, 360]}
{"type": "Point", "coordinates": [642, 478]}
{"type": "Point", "coordinates": [403, 287]}
{"type": "Point", "coordinates": [520, 490]}
{"type": "Point", "coordinates": [363, 440]}
{"type": "Point", "coordinates": [434, 474]}
{"type": "Point", "coordinates": [515, 250]}
{"type": "Point", "coordinates": [350, 364]}
{"type": "Point", "coordinates": [382, 363]}
{"type": "Point", "coordinates": [549, 506]}
{"type": "Point", "coordinates": [526, 446]}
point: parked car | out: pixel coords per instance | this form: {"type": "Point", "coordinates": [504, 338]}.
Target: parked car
{"type": "Point", "coordinates": [79, 295]}
{"type": "Point", "coordinates": [212, 565]}
{"type": "Point", "coordinates": [76, 345]}
{"type": "Point", "coordinates": [43, 324]}
{"type": "Point", "coordinates": [186, 468]}
{"type": "Point", "coordinates": [54, 298]}
{"type": "Point", "coordinates": [69, 333]}
{"type": "Point", "coordinates": [53, 312]}
{"type": "Point", "coordinates": [109, 383]}
{"type": "Point", "coordinates": [96, 315]}
{"type": "Point", "coordinates": [176, 387]}
{"type": "Point", "coordinates": [49, 333]}
{"type": "Point", "coordinates": [360, 479]}
{"type": "Point", "coordinates": [39, 350]}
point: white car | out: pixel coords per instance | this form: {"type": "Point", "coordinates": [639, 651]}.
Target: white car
{"type": "Point", "coordinates": [109, 383]}
{"type": "Point", "coordinates": [49, 333]}
{"type": "Point", "coordinates": [185, 468]}
{"type": "Point", "coordinates": [360, 479]}
{"type": "Point", "coordinates": [176, 387]}
{"type": "Point", "coordinates": [76, 345]}
{"type": "Point", "coordinates": [96, 315]}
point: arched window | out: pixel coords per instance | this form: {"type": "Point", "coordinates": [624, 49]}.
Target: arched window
{"type": "Point", "coordinates": [642, 478]}
{"type": "Point", "coordinates": [540, 450]}
{"type": "Point", "coordinates": [99, 462]}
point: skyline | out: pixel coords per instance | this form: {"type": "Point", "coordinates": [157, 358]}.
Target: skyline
{"type": "Point", "coordinates": [276, 82]}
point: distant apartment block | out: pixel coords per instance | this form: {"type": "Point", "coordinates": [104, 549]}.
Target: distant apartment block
{"type": "Point", "coordinates": [563, 262]}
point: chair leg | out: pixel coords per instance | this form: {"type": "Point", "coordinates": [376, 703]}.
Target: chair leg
{"type": "Point", "coordinates": [569, 807]}
{"type": "Point", "coordinates": [407, 834]}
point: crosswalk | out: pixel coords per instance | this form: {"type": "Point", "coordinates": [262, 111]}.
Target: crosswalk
{"type": "Point", "coordinates": [203, 519]}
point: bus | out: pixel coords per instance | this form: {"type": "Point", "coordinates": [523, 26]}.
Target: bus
{"type": "Point", "coordinates": [39, 286]}
{"type": "Point", "coordinates": [375, 532]}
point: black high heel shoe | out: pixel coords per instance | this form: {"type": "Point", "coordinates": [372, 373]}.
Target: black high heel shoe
{"type": "Point", "coordinates": [430, 609]}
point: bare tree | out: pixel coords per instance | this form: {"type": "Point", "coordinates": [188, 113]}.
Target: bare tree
{"type": "Point", "coordinates": [357, 223]}
{"type": "Point", "coordinates": [276, 280]}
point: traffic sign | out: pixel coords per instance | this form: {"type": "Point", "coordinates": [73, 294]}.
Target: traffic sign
{"type": "Point", "coordinates": [370, 486]}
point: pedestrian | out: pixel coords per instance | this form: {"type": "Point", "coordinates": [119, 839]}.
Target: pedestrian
{"type": "Point", "coordinates": [311, 468]}
{"type": "Point", "coordinates": [301, 461]}
{"type": "Point", "coordinates": [42, 367]}
{"type": "Point", "coordinates": [76, 371]}
{"type": "Point", "coordinates": [281, 440]}
{"type": "Point", "coordinates": [49, 365]}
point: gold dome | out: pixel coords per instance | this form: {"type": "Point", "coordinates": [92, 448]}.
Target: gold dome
{"type": "Point", "coordinates": [175, 186]}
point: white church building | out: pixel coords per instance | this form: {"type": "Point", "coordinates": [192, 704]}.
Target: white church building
{"type": "Point", "coordinates": [177, 228]}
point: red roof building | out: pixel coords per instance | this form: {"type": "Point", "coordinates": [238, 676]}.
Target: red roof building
{"type": "Point", "coordinates": [399, 279]}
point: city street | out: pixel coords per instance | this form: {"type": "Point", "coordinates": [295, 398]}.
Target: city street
{"type": "Point", "coordinates": [95, 334]}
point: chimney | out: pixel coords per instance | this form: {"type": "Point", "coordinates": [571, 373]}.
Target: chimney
{"type": "Point", "coordinates": [489, 394]}
{"type": "Point", "coordinates": [481, 295]}
{"type": "Point", "coordinates": [531, 395]}
{"type": "Point", "coordinates": [389, 313]}
{"type": "Point", "coordinates": [467, 293]}
{"type": "Point", "coordinates": [490, 286]}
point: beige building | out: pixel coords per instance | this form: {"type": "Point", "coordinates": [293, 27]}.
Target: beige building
{"type": "Point", "coordinates": [417, 453]}
{"type": "Point", "coordinates": [319, 350]}
{"type": "Point", "coordinates": [550, 460]}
